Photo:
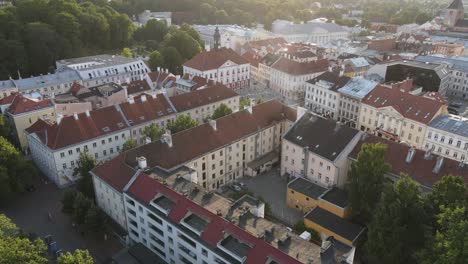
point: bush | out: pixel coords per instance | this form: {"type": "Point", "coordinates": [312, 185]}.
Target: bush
{"type": "Point", "coordinates": [300, 227]}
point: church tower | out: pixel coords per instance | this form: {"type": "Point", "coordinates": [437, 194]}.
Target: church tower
{"type": "Point", "coordinates": [454, 13]}
{"type": "Point", "coordinates": [217, 39]}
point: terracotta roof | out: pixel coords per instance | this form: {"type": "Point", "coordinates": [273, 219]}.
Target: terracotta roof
{"type": "Point", "coordinates": [271, 42]}
{"type": "Point", "coordinates": [420, 169]}
{"type": "Point", "coordinates": [252, 58]}
{"type": "Point", "coordinates": [211, 94]}
{"type": "Point", "coordinates": [417, 108]}
{"type": "Point", "coordinates": [76, 87]}
{"type": "Point", "coordinates": [121, 172]}
{"type": "Point", "coordinates": [142, 111]}
{"type": "Point", "coordinates": [22, 104]}
{"type": "Point", "coordinates": [194, 142]}
{"type": "Point", "coordinates": [138, 86]}
{"type": "Point", "coordinates": [8, 99]}
{"type": "Point", "coordinates": [300, 68]}
{"type": "Point", "coordinates": [144, 188]}
{"type": "Point", "coordinates": [213, 59]}
{"type": "Point", "coordinates": [158, 76]}
{"type": "Point", "coordinates": [69, 131]}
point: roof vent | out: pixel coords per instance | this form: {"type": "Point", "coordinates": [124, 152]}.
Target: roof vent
{"type": "Point", "coordinates": [131, 100]}
{"type": "Point", "coordinates": [438, 165]}
{"type": "Point", "coordinates": [213, 124]}
{"type": "Point", "coordinates": [87, 113]}
{"type": "Point", "coordinates": [59, 118]}
{"type": "Point", "coordinates": [143, 98]}
{"type": "Point", "coordinates": [249, 109]}
{"type": "Point", "coordinates": [410, 155]}
{"type": "Point", "coordinates": [142, 164]}
{"type": "Point", "coordinates": [75, 115]}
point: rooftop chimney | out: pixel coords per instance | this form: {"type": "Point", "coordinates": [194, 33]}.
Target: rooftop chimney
{"type": "Point", "coordinates": [427, 155]}
{"type": "Point", "coordinates": [143, 98]}
{"type": "Point", "coordinates": [147, 140]}
{"type": "Point", "coordinates": [87, 113]}
{"type": "Point", "coordinates": [131, 100]}
{"type": "Point", "coordinates": [438, 165]}
{"type": "Point", "coordinates": [167, 138]}
{"type": "Point", "coordinates": [213, 124]}
{"type": "Point", "coordinates": [410, 155]}
{"type": "Point", "coordinates": [142, 163]}
{"type": "Point", "coordinates": [249, 109]}
{"type": "Point", "coordinates": [75, 115]}
{"type": "Point", "coordinates": [59, 118]}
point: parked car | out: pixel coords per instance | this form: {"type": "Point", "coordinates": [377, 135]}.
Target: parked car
{"type": "Point", "coordinates": [236, 188]}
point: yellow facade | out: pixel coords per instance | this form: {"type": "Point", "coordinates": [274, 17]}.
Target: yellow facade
{"type": "Point", "coordinates": [25, 120]}
{"type": "Point", "coordinates": [300, 201]}
{"type": "Point", "coordinates": [341, 212]}
{"type": "Point", "coordinates": [322, 230]}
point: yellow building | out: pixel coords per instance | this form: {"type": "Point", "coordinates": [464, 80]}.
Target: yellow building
{"type": "Point", "coordinates": [303, 194]}
{"type": "Point", "coordinates": [24, 111]}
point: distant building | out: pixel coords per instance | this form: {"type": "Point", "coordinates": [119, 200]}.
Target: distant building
{"type": "Point", "coordinates": [221, 65]}
{"type": "Point", "coordinates": [355, 67]}
{"type": "Point", "coordinates": [317, 149]}
{"type": "Point", "coordinates": [310, 32]}
{"type": "Point", "coordinates": [102, 69]}
{"type": "Point", "coordinates": [264, 68]}
{"type": "Point", "coordinates": [454, 16]}
{"type": "Point", "coordinates": [449, 49]}
{"type": "Point", "coordinates": [147, 15]}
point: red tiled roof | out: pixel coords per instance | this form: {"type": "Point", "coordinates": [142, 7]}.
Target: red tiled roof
{"type": "Point", "coordinates": [121, 172]}
{"type": "Point", "coordinates": [76, 87]}
{"type": "Point", "coordinates": [417, 108]}
{"type": "Point", "coordinates": [144, 188]}
{"type": "Point", "coordinates": [300, 68]}
{"type": "Point", "coordinates": [194, 142]}
{"type": "Point", "coordinates": [70, 131]}
{"type": "Point", "coordinates": [141, 112]}
{"type": "Point", "coordinates": [211, 94]}
{"type": "Point", "coordinates": [158, 76]}
{"type": "Point", "coordinates": [252, 58]}
{"type": "Point", "coordinates": [213, 59]}
{"type": "Point", "coordinates": [22, 104]}
{"type": "Point", "coordinates": [419, 169]}
{"type": "Point", "coordinates": [9, 99]}
{"type": "Point", "coordinates": [138, 86]}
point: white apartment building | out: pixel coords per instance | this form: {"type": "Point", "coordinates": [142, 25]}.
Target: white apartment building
{"type": "Point", "coordinates": [264, 68]}
{"type": "Point", "coordinates": [398, 115]}
{"type": "Point", "coordinates": [221, 65]}
{"type": "Point", "coordinates": [289, 77]}
{"type": "Point", "coordinates": [351, 95]}
{"type": "Point", "coordinates": [447, 136]}
{"type": "Point", "coordinates": [317, 149]}
{"type": "Point", "coordinates": [101, 69]}
{"type": "Point", "coordinates": [310, 32]}
{"type": "Point", "coordinates": [321, 94]}
{"type": "Point", "coordinates": [56, 147]}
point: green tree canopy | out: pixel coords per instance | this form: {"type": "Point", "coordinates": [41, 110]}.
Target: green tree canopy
{"type": "Point", "coordinates": [185, 44]}
{"type": "Point", "coordinates": [127, 52]}
{"type": "Point", "coordinates": [129, 144]}
{"type": "Point", "coordinates": [85, 164]}
{"type": "Point", "coordinates": [182, 122]}
{"type": "Point", "coordinates": [398, 227]}
{"type": "Point", "coordinates": [155, 60]}
{"type": "Point", "coordinates": [5, 127]}
{"type": "Point", "coordinates": [172, 59]}
{"type": "Point", "coordinates": [81, 206]}
{"type": "Point", "coordinates": [94, 219]}
{"type": "Point", "coordinates": [366, 180]}
{"type": "Point", "coordinates": [153, 131]}
{"type": "Point", "coordinates": [222, 110]}
{"type": "Point", "coordinates": [244, 103]}
{"type": "Point", "coordinates": [78, 257]}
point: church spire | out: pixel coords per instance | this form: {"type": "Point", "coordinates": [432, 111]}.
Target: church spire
{"type": "Point", "coordinates": [217, 39]}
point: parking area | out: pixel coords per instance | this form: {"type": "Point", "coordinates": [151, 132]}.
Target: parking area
{"type": "Point", "coordinates": [31, 210]}
{"type": "Point", "coordinates": [272, 188]}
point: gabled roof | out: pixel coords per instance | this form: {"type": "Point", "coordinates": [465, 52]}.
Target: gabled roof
{"type": "Point", "coordinates": [137, 86]}
{"type": "Point", "coordinates": [456, 4]}
{"type": "Point", "coordinates": [71, 131]}
{"type": "Point", "coordinates": [8, 99]}
{"type": "Point", "coordinates": [191, 143]}
{"type": "Point", "coordinates": [334, 79]}
{"type": "Point", "coordinates": [22, 104]}
{"type": "Point", "coordinates": [300, 68]}
{"type": "Point", "coordinates": [417, 108]}
{"type": "Point", "coordinates": [145, 189]}
{"type": "Point", "coordinates": [321, 136]}
{"type": "Point", "coordinates": [252, 58]}
{"type": "Point", "coordinates": [158, 76]}
{"type": "Point", "coordinates": [213, 59]}
{"type": "Point", "coordinates": [145, 108]}
{"type": "Point", "coordinates": [211, 94]}
{"type": "Point", "coordinates": [420, 168]}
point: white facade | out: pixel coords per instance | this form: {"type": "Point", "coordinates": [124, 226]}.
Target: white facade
{"type": "Point", "coordinates": [321, 99]}
{"type": "Point", "coordinates": [110, 200]}
{"type": "Point", "coordinates": [230, 74]}
{"type": "Point", "coordinates": [288, 85]}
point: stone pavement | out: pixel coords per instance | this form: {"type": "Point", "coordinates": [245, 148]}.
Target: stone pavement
{"type": "Point", "coordinates": [30, 212]}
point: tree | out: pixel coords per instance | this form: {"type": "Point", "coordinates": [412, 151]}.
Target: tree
{"type": "Point", "coordinates": [78, 257]}
{"type": "Point", "coordinates": [127, 52]}
{"type": "Point", "coordinates": [155, 60]}
{"type": "Point", "coordinates": [185, 44]}
{"type": "Point", "coordinates": [85, 164]}
{"type": "Point", "coordinates": [367, 180]}
{"type": "Point", "coordinates": [450, 191]}
{"type": "Point", "coordinates": [129, 144]}
{"type": "Point", "coordinates": [17, 249]}
{"type": "Point", "coordinates": [222, 110]}
{"type": "Point", "coordinates": [153, 30]}
{"type": "Point", "coordinates": [153, 131]}
{"type": "Point", "coordinates": [81, 206]}
{"type": "Point", "coordinates": [5, 127]}
{"type": "Point", "coordinates": [398, 227]}
{"type": "Point", "coordinates": [244, 103]}
{"type": "Point", "coordinates": [94, 219]}
{"type": "Point", "coordinates": [172, 59]}
{"type": "Point", "coordinates": [68, 200]}
{"type": "Point", "coordinates": [182, 122]}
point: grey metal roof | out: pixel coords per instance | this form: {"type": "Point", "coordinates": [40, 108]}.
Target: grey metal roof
{"type": "Point", "coordinates": [7, 84]}
{"type": "Point", "coordinates": [60, 77]}
{"type": "Point", "coordinates": [457, 63]}
{"type": "Point", "coordinates": [358, 87]}
{"type": "Point", "coordinates": [307, 188]}
{"type": "Point", "coordinates": [323, 137]}
{"type": "Point", "coordinates": [451, 124]}
{"type": "Point", "coordinates": [310, 28]}
{"type": "Point", "coordinates": [100, 61]}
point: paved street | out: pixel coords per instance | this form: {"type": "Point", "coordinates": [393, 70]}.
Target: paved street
{"type": "Point", "coordinates": [30, 212]}
{"type": "Point", "coordinates": [257, 91]}
{"type": "Point", "coordinates": [271, 187]}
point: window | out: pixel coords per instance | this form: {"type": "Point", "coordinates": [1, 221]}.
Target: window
{"type": "Point", "coordinates": [94, 145]}
{"type": "Point", "coordinates": [62, 155]}
{"type": "Point", "coordinates": [70, 152]}
{"type": "Point", "coordinates": [64, 166]}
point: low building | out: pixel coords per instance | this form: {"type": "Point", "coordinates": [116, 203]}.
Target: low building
{"type": "Point", "coordinates": [351, 96]}
{"type": "Point", "coordinates": [399, 115]}
{"type": "Point", "coordinates": [355, 67]}
{"type": "Point", "coordinates": [102, 69]}
{"type": "Point", "coordinates": [449, 49]}
{"type": "Point", "coordinates": [264, 68]}
{"type": "Point", "coordinates": [322, 95]}
{"type": "Point", "coordinates": [310, 32]}
{"type": "Point", "coordinates": [288, 77]}
{"type": "Point", "coordinates": [254, 60]}
{"type": "Point", "coordinates": [264, 46]}
{"type": "Point", "coordinates": [316, 149]}
{"type": "Point", "coordinates": [24, 111]}
{"type": "Point", "coordinates": [188, 83]}
{"type": "Point", "coordinates": [425, 167]}
{"type": "Point", "coordinates": [447, 136]}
